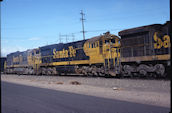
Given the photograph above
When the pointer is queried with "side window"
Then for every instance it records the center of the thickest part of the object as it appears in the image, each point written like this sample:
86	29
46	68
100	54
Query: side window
113	40
100	43
106	41
97	44
92	45
37	51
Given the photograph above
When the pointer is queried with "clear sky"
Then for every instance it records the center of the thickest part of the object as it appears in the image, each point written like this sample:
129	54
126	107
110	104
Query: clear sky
27	24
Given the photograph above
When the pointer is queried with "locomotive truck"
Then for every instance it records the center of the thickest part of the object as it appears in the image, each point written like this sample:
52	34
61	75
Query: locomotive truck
143	51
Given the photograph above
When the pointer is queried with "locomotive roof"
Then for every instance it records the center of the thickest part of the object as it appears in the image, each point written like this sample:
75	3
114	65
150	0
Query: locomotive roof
19	52
106	35
94	39
60	44
139	29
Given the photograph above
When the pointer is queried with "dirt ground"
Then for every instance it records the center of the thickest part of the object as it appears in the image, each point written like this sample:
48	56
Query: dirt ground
152	92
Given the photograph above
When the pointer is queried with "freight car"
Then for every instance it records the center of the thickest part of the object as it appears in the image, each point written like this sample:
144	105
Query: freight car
98	56
145	50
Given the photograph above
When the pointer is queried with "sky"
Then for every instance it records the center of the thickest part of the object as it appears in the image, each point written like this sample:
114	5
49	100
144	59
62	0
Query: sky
28	24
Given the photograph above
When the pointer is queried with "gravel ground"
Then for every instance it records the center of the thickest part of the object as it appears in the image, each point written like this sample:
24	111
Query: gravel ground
153	92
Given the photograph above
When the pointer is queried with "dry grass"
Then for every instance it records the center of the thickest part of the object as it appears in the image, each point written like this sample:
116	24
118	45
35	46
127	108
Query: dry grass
75	83
59	82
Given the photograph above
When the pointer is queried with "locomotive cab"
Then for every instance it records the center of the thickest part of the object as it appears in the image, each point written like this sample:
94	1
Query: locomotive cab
34	60
104	50
111	52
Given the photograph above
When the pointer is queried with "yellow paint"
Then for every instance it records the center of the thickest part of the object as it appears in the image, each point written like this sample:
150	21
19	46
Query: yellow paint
97	53
159	43
91	49
34	60
16	59
146	58
68	63
108	50
72	51
60	54
93	53
19	66
5	65
166	39
64	53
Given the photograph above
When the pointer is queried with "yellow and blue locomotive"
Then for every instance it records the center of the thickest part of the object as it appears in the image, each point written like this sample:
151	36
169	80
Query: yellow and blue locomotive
25	62
97	56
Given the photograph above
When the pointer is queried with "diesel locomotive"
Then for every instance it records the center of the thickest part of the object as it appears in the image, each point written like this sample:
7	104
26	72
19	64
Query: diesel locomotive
143	51
97	56
146	50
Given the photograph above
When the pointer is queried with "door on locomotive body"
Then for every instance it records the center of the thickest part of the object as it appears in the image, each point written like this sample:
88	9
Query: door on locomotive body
37	60
107	53
34	60
111	53
115	51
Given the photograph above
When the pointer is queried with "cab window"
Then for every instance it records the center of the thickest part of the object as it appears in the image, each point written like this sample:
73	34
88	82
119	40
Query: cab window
113	40
100	43
106	41
92	45
97	44
37	51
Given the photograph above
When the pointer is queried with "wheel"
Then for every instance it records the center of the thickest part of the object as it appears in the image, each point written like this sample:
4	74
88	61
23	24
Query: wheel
143	72
160	70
